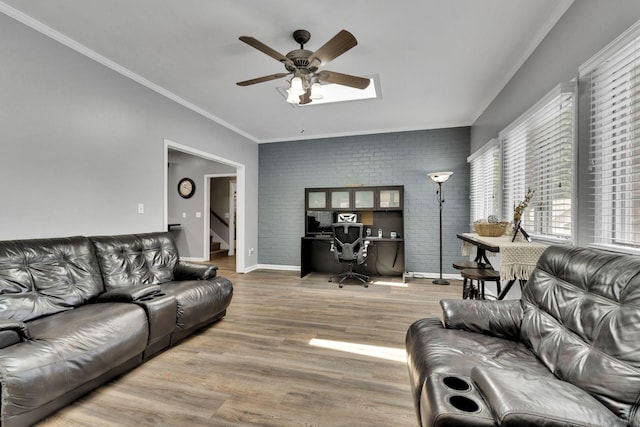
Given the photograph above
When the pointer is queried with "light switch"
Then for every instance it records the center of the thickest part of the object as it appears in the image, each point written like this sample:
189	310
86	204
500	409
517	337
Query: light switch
198	214
184	214
140	208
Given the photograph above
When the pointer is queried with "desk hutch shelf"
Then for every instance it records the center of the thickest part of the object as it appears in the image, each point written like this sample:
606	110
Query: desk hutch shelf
379	208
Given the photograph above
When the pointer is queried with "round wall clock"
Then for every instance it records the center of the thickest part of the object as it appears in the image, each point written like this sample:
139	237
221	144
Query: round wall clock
186	187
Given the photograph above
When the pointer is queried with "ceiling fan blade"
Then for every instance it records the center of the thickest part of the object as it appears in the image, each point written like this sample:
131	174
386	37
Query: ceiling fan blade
339	44
266	49
344	79
305	98
263	79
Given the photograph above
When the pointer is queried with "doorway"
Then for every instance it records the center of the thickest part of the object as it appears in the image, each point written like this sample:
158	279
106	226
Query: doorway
203	236
221	192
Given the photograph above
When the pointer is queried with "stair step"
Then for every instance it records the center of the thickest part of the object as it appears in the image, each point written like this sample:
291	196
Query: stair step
215	246
220	253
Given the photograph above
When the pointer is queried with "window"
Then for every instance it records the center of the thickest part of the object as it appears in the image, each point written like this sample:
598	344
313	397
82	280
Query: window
485	181
613	83
538	154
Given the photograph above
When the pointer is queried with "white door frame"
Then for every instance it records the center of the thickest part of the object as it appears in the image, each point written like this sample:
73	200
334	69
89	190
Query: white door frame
232	216
240	191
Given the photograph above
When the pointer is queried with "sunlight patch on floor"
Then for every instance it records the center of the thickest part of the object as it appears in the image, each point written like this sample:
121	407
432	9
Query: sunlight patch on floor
384	283
387	353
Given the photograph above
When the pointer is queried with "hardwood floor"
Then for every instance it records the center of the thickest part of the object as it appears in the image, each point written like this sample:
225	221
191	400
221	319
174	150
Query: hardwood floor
258	367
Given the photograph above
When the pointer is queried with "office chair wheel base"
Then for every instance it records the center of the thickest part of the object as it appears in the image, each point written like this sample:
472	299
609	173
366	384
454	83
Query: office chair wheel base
366	285
340	285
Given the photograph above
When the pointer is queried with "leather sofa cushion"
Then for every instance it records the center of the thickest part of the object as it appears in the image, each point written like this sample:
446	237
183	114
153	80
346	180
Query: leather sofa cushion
581	317
519	399
134	259
199	300
68	350
40	277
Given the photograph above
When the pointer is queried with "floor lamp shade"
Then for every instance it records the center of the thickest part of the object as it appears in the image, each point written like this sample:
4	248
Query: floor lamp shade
440	178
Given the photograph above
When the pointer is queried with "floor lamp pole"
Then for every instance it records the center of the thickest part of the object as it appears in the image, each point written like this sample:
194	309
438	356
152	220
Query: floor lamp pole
440	281
439	178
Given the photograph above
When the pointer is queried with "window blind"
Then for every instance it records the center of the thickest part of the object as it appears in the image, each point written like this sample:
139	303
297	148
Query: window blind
613	81
538	153
484	194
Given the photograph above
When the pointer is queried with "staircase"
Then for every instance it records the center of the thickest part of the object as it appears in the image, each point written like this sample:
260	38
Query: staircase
216	252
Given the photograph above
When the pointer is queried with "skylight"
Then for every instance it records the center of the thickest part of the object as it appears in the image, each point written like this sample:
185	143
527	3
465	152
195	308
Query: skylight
338	93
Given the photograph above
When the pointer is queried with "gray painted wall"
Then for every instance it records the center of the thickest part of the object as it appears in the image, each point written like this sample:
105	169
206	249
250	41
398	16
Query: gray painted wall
586	28
287	168
82	145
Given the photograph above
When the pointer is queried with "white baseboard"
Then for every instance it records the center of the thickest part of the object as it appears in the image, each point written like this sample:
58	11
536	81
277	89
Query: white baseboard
410	274
275	267
421	275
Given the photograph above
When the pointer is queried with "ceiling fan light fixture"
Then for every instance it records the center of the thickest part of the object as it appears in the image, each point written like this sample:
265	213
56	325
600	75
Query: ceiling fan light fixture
303	66
292	98
316	92
296	87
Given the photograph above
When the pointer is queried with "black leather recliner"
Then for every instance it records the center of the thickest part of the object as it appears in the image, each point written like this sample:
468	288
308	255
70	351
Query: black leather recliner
566	354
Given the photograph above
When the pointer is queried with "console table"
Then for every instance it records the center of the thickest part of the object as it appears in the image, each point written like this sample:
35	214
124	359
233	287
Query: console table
518	259
379	208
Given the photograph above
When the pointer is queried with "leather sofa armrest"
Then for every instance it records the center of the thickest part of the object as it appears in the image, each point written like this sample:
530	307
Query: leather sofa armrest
497	318
191	271
13	332
518	398
130	294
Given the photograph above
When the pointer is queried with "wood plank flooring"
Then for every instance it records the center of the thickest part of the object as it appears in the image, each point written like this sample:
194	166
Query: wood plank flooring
257	366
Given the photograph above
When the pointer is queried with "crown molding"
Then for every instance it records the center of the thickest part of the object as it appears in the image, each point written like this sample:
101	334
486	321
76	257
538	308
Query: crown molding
89	53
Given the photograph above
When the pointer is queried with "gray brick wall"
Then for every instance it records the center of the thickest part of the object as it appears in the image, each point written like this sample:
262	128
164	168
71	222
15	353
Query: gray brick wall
404	158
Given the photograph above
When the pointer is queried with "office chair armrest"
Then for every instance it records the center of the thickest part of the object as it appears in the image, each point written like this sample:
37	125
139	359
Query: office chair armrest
334	250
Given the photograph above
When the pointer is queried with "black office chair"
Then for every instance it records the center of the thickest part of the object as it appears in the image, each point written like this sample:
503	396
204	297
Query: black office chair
349	246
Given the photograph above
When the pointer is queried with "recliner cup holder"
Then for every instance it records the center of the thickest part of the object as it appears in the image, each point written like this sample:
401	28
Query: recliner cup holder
456	383
451	399
464	404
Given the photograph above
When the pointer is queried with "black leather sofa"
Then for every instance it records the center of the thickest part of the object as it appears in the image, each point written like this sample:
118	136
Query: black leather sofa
566	354
76	312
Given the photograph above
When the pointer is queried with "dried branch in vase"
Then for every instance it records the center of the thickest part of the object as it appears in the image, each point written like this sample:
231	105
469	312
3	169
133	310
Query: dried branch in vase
520	207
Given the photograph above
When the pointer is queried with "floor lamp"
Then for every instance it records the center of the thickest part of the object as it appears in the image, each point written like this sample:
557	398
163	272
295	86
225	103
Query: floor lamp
439	178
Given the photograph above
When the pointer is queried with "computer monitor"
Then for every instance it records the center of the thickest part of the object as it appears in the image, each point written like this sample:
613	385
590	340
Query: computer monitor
319	222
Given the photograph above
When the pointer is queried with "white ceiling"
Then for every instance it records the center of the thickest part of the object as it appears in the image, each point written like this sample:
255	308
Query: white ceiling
438	63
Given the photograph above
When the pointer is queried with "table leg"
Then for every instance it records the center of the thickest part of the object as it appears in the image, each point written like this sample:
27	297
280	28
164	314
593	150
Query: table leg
481	256
505	291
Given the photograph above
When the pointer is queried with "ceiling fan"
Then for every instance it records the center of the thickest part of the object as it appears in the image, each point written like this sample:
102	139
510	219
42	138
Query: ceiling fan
304	65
